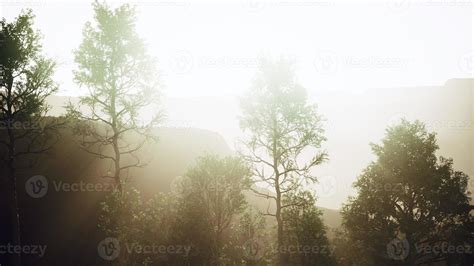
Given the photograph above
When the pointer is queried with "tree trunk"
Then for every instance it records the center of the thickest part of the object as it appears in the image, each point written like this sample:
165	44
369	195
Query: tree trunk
13	197
275	155
15	217
281	256
411	256
117	178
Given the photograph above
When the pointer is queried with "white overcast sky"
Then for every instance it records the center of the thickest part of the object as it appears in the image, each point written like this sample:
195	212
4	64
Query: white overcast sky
210	48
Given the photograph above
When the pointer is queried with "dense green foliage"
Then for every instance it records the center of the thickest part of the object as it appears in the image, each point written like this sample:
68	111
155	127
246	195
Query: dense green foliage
410	194
25	83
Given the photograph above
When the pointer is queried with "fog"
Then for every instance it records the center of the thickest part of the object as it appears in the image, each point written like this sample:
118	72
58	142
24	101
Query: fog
346	54
248	132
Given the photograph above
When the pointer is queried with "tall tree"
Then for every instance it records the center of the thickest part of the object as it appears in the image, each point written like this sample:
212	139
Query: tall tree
281	126
25	83
122	81
410	198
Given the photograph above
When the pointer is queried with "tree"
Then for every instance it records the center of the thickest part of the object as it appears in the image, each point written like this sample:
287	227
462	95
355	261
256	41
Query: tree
121	80
305	237
211	200
249	241
25	84
409	201
281	126
141	222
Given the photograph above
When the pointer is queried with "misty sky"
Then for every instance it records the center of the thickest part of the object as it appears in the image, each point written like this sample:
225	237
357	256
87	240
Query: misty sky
210	48
208	51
